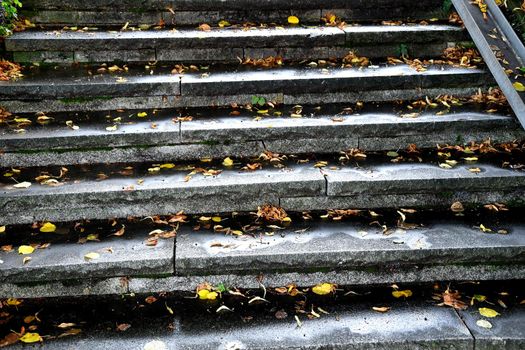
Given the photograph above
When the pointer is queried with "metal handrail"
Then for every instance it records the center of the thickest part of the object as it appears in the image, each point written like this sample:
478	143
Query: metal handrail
500	47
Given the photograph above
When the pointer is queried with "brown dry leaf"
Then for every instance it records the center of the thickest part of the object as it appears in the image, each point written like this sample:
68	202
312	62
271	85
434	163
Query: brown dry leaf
205	27
123	327
271	213
453	299
9	339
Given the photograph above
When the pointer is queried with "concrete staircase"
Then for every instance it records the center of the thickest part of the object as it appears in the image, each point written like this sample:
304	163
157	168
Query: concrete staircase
149	141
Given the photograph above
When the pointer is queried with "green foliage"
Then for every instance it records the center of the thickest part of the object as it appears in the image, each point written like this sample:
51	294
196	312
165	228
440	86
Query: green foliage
258	100
8	14
447	6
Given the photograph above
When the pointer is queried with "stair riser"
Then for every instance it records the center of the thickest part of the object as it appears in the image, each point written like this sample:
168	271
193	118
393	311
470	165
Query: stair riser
195	143
165	102
171	194
223	4
195	18
225	56
229	46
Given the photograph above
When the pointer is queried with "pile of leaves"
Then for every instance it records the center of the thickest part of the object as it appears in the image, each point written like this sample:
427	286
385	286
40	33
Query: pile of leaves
9	70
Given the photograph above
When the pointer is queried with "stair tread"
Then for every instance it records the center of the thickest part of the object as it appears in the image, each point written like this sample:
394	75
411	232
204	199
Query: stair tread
337	252
231	37
344	246
73	90
219	125
233	190
118	256
354	325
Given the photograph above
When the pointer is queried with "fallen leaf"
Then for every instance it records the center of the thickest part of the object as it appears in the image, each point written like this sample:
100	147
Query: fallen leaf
2	229
324	288
24	184
487	312
25	249
295	20
484	324
64	325
91	256
402	293
519	86
48	227
123	327
9	339
142	114
381	308
30	338
13	302
205	27
205	294
228	162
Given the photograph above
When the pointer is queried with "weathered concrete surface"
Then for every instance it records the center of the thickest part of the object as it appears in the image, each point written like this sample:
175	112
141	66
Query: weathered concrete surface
224	4
295	81
193	38
507	330
72	288
131	154
160	194
345	327
222	100
365	277
329	246
441	199
205	136
418	178
129	256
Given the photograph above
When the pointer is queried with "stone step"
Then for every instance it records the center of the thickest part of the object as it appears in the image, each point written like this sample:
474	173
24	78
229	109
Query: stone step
194	13
296	188
124	256
408	325
229	45
68	90
304	254
216	134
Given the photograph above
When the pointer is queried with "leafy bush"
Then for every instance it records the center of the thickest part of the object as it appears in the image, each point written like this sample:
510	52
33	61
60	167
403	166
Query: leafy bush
8	14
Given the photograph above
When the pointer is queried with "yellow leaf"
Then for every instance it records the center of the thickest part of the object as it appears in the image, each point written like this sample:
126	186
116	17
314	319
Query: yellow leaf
111	128
2	229
48	227
402	293
25	249
205	294
30	338
13	302
323	288
295	20
216	219
287	219
227	162
167	166
519	86
484	229
224	23
24	184
91	256
471	159
485	311
142	114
